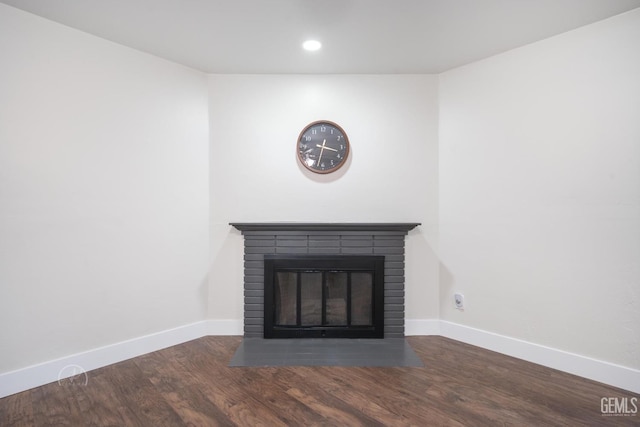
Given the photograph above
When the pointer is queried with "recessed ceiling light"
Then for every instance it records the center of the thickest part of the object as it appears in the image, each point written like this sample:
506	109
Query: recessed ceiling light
311	45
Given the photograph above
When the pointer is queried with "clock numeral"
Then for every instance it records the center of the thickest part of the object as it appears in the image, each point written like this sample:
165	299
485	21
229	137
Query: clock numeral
323	128
314	131
339	138
307	138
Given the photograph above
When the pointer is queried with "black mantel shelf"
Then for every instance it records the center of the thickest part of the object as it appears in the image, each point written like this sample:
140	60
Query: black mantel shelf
325	226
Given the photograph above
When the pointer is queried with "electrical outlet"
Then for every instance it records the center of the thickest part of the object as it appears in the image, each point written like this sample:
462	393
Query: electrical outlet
458	300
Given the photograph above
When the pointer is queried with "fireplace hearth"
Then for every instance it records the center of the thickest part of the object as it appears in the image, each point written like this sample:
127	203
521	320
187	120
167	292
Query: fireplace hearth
316	299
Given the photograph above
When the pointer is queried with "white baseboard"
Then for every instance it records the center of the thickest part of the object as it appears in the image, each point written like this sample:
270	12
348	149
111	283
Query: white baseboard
54	370
586	367
51	371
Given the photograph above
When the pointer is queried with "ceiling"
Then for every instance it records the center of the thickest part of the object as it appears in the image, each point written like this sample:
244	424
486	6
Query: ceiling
358	36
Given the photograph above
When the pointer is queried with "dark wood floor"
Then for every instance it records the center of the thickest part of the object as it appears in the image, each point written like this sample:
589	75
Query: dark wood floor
191	384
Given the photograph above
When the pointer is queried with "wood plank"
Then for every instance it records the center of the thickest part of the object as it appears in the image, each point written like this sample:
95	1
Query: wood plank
139	401
17	410
222	388
260	385
334	415
386	395
100	405
55	405
174	384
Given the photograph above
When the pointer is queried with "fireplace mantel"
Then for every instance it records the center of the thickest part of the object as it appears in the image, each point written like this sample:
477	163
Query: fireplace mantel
325	226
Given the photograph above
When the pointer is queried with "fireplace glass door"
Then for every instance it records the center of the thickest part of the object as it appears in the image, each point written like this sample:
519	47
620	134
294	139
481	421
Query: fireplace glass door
324	296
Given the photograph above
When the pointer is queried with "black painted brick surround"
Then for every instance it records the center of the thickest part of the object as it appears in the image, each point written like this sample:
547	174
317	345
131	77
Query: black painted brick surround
385	239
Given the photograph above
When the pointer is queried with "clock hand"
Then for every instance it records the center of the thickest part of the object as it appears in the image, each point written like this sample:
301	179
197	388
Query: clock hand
325	147
322	147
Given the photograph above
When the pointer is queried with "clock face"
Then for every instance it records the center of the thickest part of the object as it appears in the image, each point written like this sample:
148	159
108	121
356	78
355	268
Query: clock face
323	147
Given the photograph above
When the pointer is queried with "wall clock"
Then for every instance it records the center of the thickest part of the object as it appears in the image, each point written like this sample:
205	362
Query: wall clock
323	147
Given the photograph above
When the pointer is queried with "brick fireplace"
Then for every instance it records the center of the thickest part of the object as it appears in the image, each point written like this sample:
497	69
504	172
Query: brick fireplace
324	239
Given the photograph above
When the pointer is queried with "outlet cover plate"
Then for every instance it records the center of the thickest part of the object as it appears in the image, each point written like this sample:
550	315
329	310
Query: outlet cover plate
458	300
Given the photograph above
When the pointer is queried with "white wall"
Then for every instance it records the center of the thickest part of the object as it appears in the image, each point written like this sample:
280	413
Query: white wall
103	192
540	188
391	175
